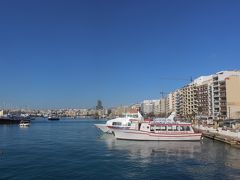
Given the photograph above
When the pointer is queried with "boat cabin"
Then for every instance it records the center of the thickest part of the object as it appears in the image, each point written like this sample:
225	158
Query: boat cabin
161	127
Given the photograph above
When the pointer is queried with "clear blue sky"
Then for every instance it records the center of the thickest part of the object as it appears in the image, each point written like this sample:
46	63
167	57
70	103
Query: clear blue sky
70	53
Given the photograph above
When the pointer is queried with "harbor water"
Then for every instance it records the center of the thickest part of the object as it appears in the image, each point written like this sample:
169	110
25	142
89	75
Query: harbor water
75	149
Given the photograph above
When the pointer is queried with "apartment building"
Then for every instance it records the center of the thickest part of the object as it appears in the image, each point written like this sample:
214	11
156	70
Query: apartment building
163	107
203	95
188	106
221	97
157	107
147	106
216	95
232	84
203	100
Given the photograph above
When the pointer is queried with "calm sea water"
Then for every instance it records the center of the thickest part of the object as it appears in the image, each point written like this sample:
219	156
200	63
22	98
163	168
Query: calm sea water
75	149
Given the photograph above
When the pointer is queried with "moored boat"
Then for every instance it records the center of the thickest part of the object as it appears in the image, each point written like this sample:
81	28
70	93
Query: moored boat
158	131
119	122
53	118
7	120
24	123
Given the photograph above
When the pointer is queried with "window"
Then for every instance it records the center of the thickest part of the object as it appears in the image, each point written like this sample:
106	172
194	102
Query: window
181	128
174	128
188	128
116	123
170	128
163	128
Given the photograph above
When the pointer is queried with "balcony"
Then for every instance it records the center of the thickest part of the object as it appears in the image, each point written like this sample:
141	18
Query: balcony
222	83
216	106
224	109
222	90
223	86
215	78
215	89
223	95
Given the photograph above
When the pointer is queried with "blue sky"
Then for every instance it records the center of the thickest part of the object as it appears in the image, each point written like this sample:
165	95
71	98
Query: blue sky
58	53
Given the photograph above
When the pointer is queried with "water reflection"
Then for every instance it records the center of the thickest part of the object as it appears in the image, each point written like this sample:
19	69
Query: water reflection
202	159
147	149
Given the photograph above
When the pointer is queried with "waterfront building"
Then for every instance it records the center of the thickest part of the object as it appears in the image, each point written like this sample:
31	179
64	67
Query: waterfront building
203	96
136	106
203	100
175	102
119	111
83	112
147	106
163	107
233	96
188	106
220	100
99	105
156	107
215	96
152	107
170	103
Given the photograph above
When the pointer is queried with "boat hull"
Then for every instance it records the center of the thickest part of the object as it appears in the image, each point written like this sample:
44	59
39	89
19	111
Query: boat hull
109	129
103	128
53	119
24	125
9	121
148	136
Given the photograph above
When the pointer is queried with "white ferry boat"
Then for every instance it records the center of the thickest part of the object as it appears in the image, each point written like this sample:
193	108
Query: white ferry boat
163	130
120	122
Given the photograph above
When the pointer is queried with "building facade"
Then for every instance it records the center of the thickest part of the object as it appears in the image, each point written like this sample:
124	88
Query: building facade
233	97
216	96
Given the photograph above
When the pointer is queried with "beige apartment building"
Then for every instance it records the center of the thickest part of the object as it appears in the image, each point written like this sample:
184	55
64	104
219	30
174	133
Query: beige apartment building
188	103
223	93
233	97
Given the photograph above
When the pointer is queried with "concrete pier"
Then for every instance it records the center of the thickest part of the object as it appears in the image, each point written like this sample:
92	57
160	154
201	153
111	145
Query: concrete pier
225	136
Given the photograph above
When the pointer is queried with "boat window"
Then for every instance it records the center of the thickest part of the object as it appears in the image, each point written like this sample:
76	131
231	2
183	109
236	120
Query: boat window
116	123
169	128
163	128
181	128
175	128
132	116
129	124
188	128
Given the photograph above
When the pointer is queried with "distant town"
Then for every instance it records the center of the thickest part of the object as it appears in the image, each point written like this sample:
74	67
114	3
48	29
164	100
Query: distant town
213	96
